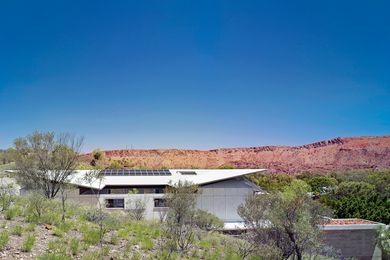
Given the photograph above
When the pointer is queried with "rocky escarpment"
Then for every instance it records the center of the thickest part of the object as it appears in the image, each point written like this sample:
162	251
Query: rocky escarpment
331	155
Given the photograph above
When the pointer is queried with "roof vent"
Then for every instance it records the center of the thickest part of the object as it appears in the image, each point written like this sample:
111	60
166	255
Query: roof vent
187	172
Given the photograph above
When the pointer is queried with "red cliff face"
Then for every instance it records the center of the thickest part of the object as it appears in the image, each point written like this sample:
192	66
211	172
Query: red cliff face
331	155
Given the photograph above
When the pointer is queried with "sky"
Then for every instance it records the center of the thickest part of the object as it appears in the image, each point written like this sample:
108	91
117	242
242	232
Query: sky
194	74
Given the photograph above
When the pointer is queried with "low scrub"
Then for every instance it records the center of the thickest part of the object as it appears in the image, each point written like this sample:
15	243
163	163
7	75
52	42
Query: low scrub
4	239
28	243
17	230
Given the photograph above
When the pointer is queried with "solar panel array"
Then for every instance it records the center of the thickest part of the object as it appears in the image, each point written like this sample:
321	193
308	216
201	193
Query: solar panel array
131	172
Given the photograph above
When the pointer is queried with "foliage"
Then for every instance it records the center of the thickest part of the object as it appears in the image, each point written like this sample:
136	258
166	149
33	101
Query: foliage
207	221
17	230
45	161
4	239
10	213
28	243
181	202
226	166
74	245
37	205
320	184
271	182
287	222
98	154
90	234
7	193
358	200
136	208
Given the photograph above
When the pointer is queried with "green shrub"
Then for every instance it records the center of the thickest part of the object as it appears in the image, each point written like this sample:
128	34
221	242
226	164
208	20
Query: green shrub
207	221
74	245
30	227
10	213
28	243
90	234
58	232
17	230
4	239
147	244
114	238
57	246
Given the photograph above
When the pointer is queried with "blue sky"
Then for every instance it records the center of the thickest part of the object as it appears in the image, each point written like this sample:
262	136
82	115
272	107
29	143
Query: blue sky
194	74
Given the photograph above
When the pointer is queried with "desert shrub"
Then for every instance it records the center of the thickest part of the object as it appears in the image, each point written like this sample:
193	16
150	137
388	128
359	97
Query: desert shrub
58	232
94	215
10	213
17	230
114	239
90	234
271	182
30	227
179	226
57	246
207	221
52	217
74	246
7	194
37	205
147	243
28	243
4	239
136	209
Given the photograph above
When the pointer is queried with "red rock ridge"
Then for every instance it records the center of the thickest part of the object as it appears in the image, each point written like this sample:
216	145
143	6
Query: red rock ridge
336	154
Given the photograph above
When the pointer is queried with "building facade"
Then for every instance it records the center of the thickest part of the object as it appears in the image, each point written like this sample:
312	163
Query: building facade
221	191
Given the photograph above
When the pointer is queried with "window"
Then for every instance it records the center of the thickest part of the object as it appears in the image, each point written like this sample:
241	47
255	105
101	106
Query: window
188	173
160	203
115	203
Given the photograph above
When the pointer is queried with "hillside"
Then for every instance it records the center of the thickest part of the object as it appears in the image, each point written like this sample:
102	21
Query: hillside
337	154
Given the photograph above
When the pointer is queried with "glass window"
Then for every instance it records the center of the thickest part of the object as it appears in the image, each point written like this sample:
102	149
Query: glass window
115	203
160	203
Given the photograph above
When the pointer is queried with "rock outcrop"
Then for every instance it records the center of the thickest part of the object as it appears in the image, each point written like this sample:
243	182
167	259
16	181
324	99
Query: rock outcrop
337	154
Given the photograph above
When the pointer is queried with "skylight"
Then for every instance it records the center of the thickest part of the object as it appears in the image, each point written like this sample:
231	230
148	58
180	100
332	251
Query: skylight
187	172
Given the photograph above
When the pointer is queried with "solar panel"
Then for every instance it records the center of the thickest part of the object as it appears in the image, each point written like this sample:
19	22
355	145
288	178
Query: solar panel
133	172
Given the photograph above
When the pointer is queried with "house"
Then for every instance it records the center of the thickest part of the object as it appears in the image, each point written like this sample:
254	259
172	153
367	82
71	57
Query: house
222	191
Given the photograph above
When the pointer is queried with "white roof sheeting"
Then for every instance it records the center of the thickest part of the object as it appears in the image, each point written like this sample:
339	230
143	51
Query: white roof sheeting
202	176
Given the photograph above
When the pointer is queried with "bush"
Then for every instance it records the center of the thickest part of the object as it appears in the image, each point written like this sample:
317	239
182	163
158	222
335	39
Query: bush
28	243
37	205
17	230
74	245
10	213
146	244
91	235
95	215
207	221
136	209
4	239
30	227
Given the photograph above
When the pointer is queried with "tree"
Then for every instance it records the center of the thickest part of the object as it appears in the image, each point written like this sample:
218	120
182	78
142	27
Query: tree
136	207
181	202
7	193
358	200
207	221
287	221
320	184
46	161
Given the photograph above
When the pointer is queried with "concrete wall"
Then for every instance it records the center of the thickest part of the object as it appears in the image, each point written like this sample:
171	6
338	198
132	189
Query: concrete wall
357	244
220	198
223	198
